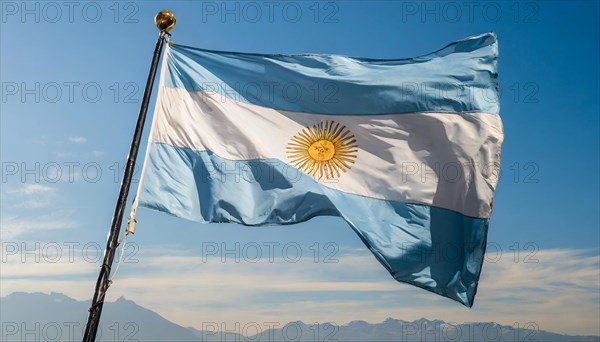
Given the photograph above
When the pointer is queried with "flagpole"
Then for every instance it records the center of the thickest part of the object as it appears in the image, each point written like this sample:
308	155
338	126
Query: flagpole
165	21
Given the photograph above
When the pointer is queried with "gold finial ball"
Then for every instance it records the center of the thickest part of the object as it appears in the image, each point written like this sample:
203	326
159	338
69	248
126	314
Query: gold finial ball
165	20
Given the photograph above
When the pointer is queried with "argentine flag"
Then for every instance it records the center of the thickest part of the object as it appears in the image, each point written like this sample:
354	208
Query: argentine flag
406	151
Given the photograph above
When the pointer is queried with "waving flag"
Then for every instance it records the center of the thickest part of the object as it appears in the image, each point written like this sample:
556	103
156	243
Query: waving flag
406	151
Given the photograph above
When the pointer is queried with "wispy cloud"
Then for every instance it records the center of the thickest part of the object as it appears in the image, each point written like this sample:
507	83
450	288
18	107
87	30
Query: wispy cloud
33	203
14	226
557	293
30	196
98	153
40	141
65	154
31	189
77	139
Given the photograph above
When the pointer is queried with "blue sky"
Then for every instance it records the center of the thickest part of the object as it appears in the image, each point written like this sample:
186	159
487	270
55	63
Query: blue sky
72	77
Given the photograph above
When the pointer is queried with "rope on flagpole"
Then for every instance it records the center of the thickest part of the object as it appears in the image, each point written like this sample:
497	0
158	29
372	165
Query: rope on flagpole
122	243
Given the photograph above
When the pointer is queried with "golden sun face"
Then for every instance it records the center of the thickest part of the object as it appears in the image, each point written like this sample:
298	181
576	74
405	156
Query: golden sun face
323	151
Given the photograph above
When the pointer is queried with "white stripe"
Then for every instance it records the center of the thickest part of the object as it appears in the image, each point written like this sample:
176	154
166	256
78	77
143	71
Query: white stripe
441	159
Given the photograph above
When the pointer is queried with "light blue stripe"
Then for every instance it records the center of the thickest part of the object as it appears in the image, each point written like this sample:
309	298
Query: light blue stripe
436	249
461	77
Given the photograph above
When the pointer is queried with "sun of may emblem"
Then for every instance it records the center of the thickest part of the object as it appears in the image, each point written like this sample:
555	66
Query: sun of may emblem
323	151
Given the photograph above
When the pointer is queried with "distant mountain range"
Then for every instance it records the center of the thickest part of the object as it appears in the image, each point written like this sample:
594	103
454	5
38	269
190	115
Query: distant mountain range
56	317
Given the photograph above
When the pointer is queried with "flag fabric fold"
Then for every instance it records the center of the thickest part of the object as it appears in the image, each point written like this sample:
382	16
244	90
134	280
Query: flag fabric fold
406	151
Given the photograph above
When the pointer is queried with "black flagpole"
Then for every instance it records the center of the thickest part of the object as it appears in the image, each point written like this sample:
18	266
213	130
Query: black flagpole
165	21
